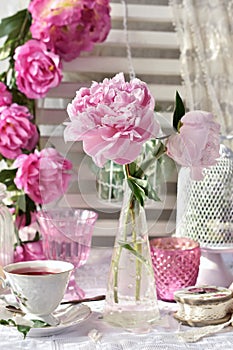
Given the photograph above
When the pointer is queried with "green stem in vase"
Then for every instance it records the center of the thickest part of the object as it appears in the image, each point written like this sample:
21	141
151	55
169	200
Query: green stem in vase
136	246
115	274
134	205
138	249
140	189
117	260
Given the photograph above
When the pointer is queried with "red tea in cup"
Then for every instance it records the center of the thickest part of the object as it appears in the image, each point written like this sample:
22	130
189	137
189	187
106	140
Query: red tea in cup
34	271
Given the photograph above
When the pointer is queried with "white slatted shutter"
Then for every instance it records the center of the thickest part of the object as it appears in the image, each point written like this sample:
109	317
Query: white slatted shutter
155	59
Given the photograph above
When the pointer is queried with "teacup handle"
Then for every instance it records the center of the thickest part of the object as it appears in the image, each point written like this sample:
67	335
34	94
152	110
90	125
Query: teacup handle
5	283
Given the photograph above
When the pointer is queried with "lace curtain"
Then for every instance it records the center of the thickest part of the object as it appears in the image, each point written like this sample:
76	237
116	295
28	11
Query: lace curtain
205	32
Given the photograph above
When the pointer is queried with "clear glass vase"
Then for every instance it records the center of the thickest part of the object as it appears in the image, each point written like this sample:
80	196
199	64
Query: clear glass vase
131	300
7	231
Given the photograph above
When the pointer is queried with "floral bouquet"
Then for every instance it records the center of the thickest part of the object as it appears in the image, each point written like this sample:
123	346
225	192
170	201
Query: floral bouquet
114	119
37	41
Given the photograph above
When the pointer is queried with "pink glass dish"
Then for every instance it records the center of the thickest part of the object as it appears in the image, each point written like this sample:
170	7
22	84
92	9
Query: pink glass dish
176	264
67	235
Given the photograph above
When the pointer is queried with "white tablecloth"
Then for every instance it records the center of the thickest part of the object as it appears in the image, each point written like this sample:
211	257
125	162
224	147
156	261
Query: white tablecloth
92	278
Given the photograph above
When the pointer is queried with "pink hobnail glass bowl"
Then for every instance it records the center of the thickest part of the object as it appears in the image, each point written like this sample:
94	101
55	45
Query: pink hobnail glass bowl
176	264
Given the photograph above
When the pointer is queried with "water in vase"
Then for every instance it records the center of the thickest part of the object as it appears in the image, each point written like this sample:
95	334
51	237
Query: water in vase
131	300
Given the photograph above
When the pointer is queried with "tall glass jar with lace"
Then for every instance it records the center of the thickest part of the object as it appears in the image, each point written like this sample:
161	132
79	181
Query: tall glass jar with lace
7	231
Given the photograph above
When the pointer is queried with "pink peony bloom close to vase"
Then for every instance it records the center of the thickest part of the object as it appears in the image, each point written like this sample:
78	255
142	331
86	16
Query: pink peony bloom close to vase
5	95
68	27
44	175
37	69
113	119
197	143
17	131
29	251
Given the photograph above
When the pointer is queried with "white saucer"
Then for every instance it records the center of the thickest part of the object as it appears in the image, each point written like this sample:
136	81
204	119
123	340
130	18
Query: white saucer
68	315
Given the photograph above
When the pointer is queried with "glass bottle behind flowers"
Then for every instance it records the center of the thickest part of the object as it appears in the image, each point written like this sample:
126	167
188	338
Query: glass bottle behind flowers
109	182
114	119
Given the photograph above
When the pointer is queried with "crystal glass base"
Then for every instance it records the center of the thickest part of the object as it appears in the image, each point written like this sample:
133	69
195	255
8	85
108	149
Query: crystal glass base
136	318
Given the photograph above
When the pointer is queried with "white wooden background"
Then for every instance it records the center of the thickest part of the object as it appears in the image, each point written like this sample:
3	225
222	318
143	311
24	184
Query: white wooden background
155	55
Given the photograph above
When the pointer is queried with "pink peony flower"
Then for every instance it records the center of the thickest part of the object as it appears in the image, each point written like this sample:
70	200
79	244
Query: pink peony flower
68	27
37	70
29	251
5	95
16	130
197	144
44	175
113	118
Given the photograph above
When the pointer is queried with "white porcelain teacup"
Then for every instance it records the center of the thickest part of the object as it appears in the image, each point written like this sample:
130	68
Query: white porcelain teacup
38	286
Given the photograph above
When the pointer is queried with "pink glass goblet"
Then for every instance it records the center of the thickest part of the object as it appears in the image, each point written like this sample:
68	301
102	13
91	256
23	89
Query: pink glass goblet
176	264
67	235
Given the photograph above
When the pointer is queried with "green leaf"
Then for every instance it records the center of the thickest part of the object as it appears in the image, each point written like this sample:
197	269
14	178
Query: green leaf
140	182
159	150
178	112
39	324
11	23
11	322
3	78
36	237
5	51
16	28
23	329
36	324
149	146
135	253
9	46
132	168
141	188
20	328
4	322
137	190
151	193
11	187
7	177
21	202
21	99
144	166
25	207
30	207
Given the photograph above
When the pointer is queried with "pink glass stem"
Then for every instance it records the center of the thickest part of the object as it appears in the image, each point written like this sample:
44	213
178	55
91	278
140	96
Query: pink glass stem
73	290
